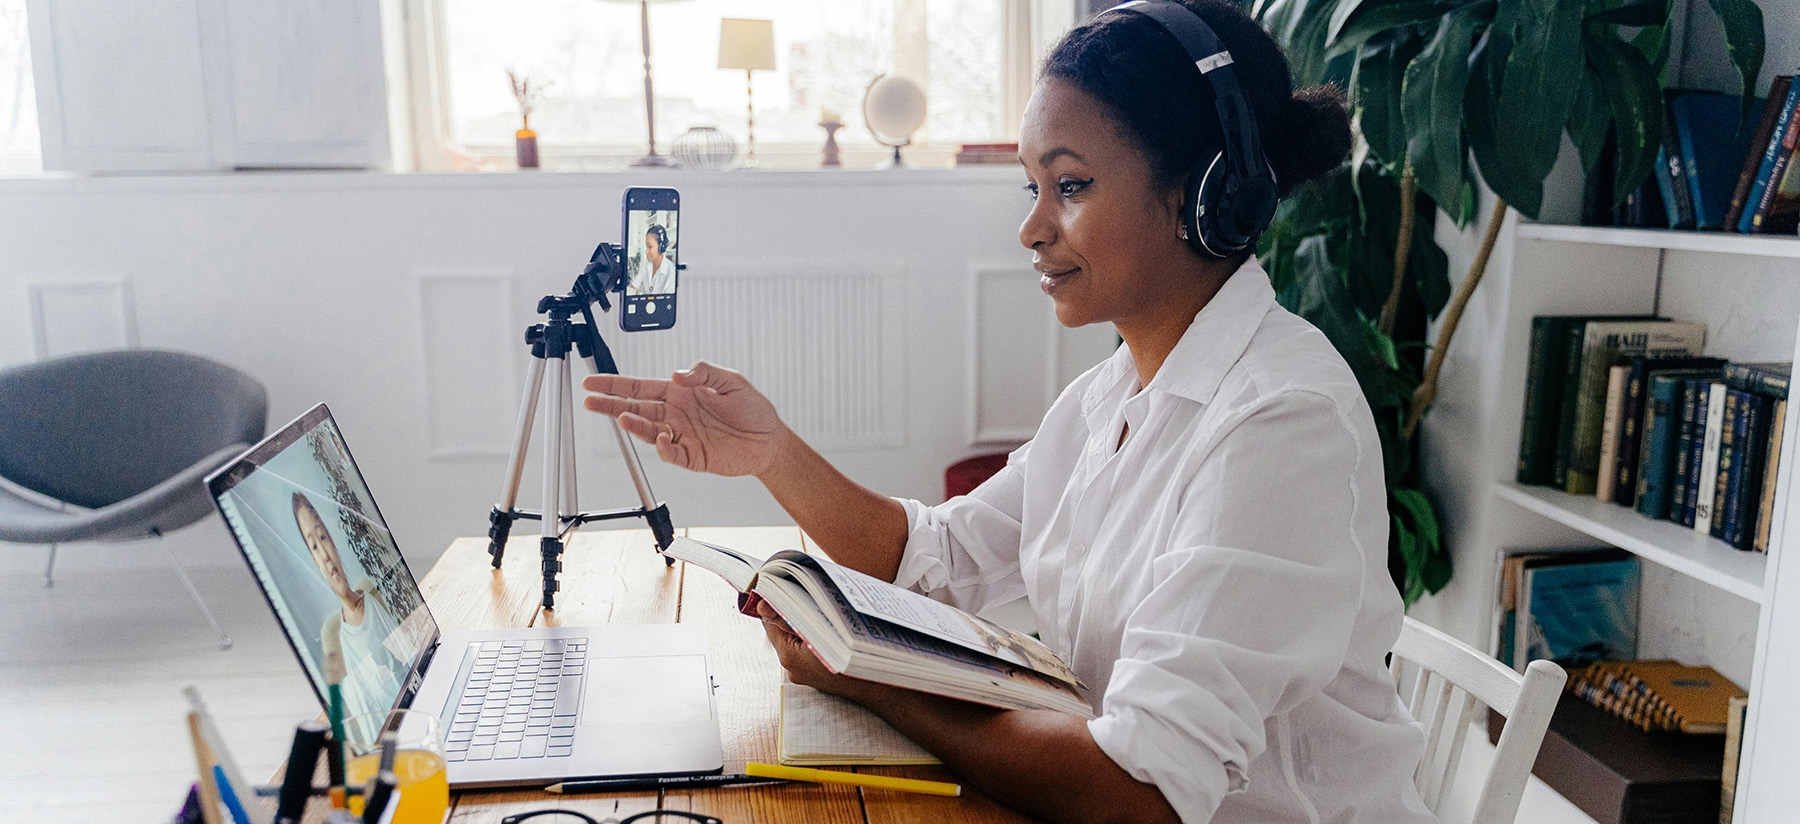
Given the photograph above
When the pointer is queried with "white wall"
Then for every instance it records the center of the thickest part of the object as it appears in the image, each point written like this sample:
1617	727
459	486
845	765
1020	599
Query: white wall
401	300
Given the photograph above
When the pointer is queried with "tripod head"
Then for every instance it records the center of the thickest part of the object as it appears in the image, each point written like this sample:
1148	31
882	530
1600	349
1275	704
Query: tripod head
605	272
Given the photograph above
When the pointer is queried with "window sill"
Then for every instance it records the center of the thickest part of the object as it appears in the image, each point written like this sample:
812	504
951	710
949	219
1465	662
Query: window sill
339	180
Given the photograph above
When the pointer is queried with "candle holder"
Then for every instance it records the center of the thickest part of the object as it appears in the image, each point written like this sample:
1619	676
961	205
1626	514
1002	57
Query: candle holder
831	127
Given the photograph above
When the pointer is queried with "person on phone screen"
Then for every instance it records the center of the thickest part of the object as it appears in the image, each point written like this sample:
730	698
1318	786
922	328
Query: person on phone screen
659	265
1199	523
363	621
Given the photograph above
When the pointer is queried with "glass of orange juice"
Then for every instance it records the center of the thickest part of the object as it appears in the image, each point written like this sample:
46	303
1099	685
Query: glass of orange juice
423	786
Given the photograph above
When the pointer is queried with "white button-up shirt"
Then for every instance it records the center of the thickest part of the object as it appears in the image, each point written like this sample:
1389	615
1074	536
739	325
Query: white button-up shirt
1219	580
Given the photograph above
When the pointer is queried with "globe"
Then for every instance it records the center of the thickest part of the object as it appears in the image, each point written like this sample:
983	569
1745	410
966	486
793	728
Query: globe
894	108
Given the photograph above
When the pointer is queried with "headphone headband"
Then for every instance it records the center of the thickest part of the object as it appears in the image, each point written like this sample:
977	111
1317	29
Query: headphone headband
1230	207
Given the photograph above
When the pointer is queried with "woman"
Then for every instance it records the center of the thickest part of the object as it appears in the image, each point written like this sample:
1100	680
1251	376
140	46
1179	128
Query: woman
661	277
1199	523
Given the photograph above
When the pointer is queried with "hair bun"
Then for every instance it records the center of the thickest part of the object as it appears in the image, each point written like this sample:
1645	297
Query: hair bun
1312	136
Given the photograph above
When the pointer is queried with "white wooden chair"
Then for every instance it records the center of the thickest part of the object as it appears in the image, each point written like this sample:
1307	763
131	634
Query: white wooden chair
1449	681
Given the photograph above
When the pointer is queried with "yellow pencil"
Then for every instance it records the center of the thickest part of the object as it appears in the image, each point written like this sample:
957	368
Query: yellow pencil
879	782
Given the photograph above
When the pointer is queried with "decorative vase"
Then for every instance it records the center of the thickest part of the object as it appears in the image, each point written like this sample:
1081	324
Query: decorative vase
704	148
525	146
831	146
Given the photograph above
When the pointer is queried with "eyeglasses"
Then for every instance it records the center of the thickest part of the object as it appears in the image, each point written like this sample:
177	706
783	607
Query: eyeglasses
651	817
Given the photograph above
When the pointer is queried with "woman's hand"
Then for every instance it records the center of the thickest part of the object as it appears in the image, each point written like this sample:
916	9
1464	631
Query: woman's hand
803	667
704	418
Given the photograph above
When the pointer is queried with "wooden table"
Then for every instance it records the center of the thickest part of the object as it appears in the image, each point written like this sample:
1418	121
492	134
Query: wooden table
616	577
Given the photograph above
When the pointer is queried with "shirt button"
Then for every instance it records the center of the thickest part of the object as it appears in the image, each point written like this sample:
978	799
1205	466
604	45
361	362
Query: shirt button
1080	550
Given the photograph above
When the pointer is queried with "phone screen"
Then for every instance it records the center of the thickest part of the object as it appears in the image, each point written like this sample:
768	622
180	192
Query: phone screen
652	251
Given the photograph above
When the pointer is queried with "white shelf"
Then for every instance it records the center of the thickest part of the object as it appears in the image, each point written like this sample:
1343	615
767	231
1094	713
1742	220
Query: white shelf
1676	547
1784	246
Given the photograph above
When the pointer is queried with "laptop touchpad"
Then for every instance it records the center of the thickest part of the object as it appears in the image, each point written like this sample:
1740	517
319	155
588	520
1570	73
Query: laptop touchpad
660	689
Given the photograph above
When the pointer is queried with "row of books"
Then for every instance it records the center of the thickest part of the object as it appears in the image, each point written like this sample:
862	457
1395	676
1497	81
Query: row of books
1627	409
1721	167
1571	606
1660	695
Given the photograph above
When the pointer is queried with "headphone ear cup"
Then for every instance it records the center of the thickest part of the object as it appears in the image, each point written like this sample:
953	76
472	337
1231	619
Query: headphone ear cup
1232	214
1202	214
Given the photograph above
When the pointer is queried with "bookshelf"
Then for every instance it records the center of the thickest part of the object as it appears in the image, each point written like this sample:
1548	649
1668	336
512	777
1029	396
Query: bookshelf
1678	548
1666	239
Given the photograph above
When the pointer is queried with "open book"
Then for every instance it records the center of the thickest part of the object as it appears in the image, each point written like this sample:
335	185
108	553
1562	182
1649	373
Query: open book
822	730
867	628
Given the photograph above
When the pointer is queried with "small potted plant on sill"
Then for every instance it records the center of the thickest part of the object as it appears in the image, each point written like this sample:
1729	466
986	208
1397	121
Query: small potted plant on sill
527	94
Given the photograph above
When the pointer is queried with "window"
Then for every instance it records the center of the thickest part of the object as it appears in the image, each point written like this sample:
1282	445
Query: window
587	54
18	97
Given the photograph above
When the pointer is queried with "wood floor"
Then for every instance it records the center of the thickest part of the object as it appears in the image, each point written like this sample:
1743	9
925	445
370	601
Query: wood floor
91	715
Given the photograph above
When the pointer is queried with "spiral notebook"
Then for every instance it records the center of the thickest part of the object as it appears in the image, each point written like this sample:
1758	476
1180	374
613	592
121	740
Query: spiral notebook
819	729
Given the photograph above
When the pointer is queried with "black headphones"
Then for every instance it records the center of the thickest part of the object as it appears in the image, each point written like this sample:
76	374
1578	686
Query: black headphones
662	238
1231	195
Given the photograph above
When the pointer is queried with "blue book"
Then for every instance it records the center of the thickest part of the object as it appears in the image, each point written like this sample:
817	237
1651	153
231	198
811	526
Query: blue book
1661	437
1701	405
1743	490
1577	611
1714	137
1770	154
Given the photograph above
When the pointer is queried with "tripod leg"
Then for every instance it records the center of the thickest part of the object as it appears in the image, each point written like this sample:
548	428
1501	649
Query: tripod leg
550	521
657	514
500	521
571	499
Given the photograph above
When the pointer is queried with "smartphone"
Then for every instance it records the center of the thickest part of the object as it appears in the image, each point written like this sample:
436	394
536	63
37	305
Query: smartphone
652	258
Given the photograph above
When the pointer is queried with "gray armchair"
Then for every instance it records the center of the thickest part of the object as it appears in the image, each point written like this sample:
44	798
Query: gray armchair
114	445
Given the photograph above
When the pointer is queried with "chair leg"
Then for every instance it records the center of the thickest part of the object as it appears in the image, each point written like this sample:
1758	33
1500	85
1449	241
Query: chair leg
194	592
50	569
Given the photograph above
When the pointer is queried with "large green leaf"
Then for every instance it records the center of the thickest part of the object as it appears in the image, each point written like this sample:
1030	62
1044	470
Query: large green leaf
1647	13
1432	103
1537	90
1635	102
1743	24
1318	295
1590	119
1380	75
1309	60
1363	20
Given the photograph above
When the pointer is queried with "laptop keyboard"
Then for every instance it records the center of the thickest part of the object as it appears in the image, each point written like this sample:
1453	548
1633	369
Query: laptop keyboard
519	699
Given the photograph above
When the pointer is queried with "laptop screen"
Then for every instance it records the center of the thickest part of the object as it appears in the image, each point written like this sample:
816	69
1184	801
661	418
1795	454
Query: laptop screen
308	526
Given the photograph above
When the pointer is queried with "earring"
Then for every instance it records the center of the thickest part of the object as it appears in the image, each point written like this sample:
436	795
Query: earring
1182	232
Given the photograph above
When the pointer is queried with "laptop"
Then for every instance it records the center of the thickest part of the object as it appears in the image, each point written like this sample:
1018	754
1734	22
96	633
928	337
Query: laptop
516	706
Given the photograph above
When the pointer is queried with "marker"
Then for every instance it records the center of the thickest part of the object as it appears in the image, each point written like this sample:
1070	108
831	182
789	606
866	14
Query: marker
879	782
678	782
233	804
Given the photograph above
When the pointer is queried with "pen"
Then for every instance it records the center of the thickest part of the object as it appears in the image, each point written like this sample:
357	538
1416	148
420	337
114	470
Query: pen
332	646
879	782
228	794
678	782
303	760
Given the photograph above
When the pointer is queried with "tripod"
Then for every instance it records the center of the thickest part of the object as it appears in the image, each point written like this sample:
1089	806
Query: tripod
550	343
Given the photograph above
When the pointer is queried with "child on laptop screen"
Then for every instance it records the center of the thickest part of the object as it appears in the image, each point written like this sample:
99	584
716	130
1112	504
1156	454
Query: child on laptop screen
363	622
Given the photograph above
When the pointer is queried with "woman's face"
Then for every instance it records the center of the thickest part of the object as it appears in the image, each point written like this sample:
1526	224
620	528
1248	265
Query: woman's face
1101	231
324	552
651	250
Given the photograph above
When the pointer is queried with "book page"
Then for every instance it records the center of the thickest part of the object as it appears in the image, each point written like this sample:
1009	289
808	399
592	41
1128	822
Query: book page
880	599
822	729
737	568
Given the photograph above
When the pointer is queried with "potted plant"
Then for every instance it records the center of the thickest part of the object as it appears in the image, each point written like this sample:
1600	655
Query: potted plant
1441	89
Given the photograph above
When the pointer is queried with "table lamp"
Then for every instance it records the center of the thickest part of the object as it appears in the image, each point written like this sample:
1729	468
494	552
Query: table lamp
653	158
747	45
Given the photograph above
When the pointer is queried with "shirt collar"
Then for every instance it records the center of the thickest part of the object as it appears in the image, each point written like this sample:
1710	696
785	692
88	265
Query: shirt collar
1214	342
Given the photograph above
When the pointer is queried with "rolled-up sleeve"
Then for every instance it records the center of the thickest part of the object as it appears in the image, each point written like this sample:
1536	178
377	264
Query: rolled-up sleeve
965	551
1252	611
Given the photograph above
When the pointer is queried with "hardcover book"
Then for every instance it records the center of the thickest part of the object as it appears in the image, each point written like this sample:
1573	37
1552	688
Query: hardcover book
1574	608
867	628
1742	485
1635	419
1607	476
1714	136
1657	463
1770	152
1770	108
1766	512
1707	486
1684	455
1767	379
1605	343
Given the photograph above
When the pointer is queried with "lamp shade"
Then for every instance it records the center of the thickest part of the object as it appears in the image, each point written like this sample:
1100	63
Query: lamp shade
746	44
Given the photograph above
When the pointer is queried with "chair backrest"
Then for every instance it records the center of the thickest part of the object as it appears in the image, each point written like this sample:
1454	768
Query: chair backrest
98	428
1449	683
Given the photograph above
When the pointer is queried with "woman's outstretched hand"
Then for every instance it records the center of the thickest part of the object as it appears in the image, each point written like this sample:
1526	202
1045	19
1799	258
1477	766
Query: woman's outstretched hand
704	418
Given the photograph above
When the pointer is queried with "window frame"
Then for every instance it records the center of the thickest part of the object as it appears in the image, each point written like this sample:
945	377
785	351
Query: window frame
419	78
